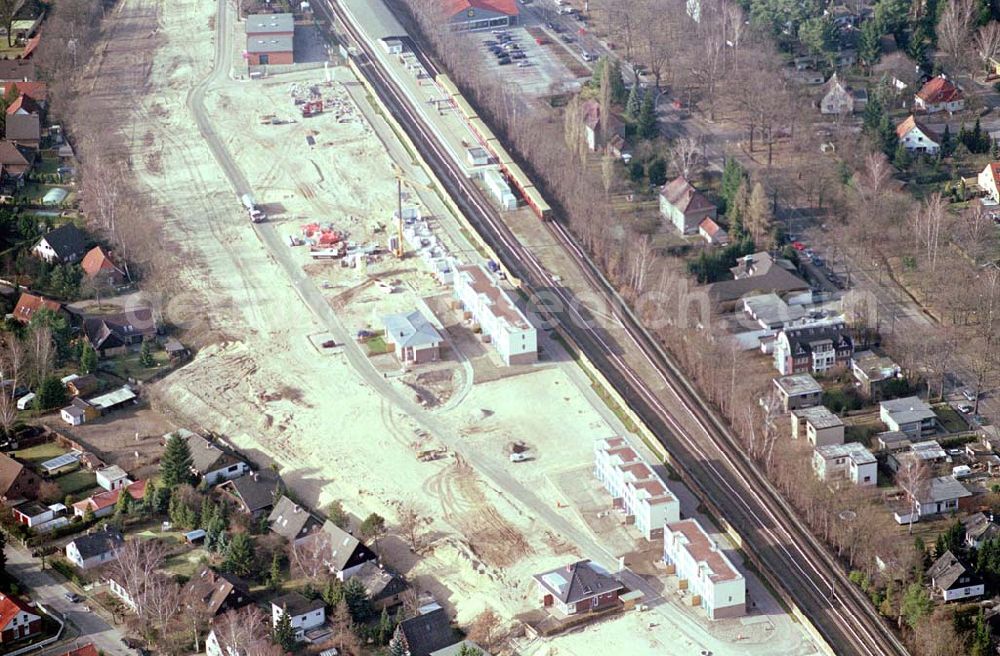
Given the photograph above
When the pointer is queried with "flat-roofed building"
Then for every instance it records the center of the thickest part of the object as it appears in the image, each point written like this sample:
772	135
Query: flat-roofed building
270	39
635	488
709	576
818	425
798	391
851	461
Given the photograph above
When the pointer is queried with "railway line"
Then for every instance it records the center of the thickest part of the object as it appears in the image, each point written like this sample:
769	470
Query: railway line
779	545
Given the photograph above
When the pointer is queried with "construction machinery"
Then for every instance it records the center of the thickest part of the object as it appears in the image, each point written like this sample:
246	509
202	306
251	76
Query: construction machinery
254	212
312	108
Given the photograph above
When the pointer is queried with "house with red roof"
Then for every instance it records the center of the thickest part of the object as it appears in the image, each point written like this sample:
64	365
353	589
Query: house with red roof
18	620
103	503
29	304
37	91
87	650
480	14
989	181
940	95
713	233
24	122
97	264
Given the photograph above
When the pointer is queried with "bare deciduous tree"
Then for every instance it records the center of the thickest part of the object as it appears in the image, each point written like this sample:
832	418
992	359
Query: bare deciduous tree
136	566
247	632
685	154
311	556
486	630
411	525
912	476
954	29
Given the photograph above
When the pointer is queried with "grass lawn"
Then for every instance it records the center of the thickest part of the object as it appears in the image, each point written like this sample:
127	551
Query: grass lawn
76	481
34	192
187	563
36	455
376	345
127	366
951	420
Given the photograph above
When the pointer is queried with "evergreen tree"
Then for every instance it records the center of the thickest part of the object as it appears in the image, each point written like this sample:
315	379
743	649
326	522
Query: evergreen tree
274	575
51	394
333	593
358	601
240	556
3	556
335	513
870	44
146	355
619	93
175	465
215	530
88	358
946	142
88	515
384	629
887	135
916	604
123	504
646	124
732	176
901	158
979	143
284	633
634	103
396	647
657	172
994	149
981	638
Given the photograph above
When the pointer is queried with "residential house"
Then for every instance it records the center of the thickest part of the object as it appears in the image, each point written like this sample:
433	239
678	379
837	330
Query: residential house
79	412
255	493
118	589
218	592
304	613
684	206
838	98
850	461
292	522
18	620
347	553
726	295
28	304
412	337
928	452
16	161
209	462
636	490
63	245
85	385
939	94
87	650
427	632
818	425
874	373
33	513
759	264
17	482
96	548
98	265
893	441
578	587
384	586
771	312
798	391
979	528
496	314
116	334
952	579
590	112
16	70
37	91
460	648
917	137
704	570
102	504
815	348
908	415
713	233
23	123
270	39
112	478
115	399
937	496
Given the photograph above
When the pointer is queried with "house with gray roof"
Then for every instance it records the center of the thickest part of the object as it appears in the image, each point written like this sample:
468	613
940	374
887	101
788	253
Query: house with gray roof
412	337
208	461
95	549
63	245
429	631
254	494
952	579
270	39
384	586
979	528
909	415
798	391
937	496
874	373
292	522
578	587
347	553
457	649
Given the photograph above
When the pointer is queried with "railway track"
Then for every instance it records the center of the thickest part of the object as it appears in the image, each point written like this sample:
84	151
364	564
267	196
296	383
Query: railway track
786	552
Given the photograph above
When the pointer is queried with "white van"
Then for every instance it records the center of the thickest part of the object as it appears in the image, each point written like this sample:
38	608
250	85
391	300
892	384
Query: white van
25	401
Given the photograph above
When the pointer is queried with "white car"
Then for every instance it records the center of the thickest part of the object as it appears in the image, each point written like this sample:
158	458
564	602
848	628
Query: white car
519	456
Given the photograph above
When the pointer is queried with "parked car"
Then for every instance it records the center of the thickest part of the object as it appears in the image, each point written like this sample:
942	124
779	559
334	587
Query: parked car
519	456
588	56
73	597
503	61
566	38
965	409
969	395
489	42
518	55
523	64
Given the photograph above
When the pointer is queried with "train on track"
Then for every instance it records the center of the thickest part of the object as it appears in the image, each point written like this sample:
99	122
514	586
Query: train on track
507	164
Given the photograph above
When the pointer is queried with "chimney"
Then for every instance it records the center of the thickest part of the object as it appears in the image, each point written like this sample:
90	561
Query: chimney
296	510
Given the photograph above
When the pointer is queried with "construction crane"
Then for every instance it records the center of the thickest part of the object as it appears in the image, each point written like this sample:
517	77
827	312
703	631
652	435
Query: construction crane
400	250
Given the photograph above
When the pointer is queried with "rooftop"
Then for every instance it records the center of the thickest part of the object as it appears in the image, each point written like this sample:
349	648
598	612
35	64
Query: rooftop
907	410
858	453
578	581
704	550
295	604
798	384
500	302
819	417
270	23
411	329
873	366
267	43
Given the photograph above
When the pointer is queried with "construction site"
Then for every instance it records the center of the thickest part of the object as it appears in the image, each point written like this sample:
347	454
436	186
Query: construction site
286	314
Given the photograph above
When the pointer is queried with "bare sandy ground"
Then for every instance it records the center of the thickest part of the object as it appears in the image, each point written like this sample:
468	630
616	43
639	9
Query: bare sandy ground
260	379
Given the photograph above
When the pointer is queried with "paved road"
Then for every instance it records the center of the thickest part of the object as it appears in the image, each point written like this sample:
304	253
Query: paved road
47	590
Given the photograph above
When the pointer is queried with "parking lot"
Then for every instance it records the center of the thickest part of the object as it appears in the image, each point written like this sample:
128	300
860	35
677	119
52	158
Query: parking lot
530	59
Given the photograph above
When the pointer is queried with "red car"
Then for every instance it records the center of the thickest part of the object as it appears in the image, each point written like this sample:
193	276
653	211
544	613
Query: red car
798	245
